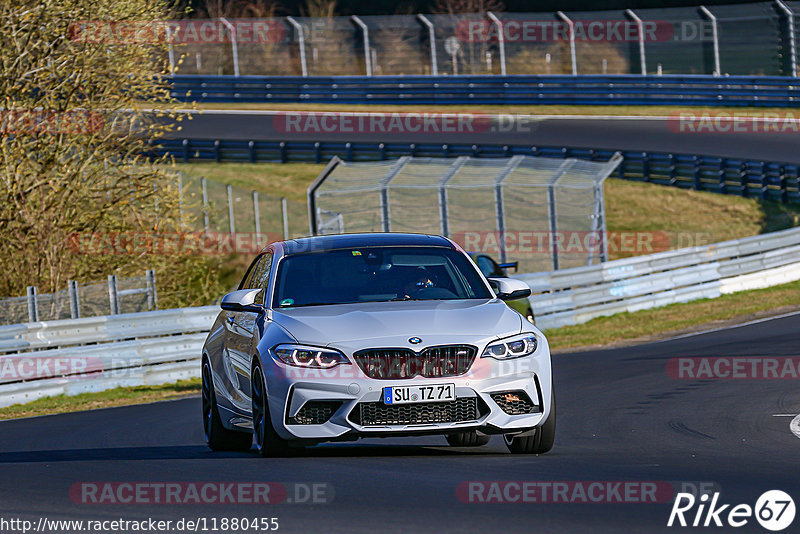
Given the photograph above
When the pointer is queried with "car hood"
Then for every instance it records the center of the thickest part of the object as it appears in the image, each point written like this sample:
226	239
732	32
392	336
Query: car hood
393	323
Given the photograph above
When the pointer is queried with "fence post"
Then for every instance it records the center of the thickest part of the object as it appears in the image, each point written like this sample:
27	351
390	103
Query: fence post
302	42
205	204
256	214
33	305
792	40
180	198
234	45
113	294
152	294
640	28
231	222
432	39
74	301
714	36
573	56
365	33
285	217
501	41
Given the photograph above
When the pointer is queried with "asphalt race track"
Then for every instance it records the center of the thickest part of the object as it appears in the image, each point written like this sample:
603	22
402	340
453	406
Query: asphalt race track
621	418
658	134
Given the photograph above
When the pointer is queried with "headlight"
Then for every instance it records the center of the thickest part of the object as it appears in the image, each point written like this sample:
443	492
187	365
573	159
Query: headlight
310	357
512	347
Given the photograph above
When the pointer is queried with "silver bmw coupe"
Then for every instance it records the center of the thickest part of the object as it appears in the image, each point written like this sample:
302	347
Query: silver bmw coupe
335	338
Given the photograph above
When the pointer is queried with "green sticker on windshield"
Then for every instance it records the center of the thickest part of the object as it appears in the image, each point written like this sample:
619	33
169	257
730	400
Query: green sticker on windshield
287	302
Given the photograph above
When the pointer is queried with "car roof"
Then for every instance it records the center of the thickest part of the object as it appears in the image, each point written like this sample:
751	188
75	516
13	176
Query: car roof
339	241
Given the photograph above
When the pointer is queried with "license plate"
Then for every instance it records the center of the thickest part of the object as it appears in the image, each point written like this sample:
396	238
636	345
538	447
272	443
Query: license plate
411	394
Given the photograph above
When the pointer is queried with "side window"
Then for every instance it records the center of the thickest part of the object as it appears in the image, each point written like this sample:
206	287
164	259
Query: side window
248	278
486	265
261	276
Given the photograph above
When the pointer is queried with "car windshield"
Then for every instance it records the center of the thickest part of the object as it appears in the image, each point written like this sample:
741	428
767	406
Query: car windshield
376	274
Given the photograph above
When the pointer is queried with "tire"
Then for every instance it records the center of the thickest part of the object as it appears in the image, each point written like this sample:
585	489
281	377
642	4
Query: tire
218	437
268	443
541	441
467	438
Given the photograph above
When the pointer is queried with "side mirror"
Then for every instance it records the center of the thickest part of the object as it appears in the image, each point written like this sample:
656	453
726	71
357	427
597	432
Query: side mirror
510	288
242	300
510	265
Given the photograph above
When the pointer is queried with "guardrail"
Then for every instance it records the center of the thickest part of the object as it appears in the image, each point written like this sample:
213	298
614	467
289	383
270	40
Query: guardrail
587	89
758	179
73	356
574	296
93	354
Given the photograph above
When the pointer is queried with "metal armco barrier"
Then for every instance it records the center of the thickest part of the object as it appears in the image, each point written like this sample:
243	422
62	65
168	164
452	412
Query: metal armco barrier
164	346
586	89
49	358
574	296
758	179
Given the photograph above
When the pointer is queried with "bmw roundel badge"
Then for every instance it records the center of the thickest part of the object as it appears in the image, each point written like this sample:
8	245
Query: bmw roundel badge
414	340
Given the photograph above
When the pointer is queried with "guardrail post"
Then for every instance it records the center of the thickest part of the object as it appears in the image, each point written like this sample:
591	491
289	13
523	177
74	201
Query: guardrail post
640	28
790	35
251	151
365	33
206	222
256	218
501	40
743	182
152	294
715	36
782	183
74	301
572	54
231	220
113	295
234	45
432	39
285	217
33	305
302	42
698	182
185	147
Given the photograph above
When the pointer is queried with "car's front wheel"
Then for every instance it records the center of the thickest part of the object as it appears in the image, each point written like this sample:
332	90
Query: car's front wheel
218	437
541	439
268	442
467	438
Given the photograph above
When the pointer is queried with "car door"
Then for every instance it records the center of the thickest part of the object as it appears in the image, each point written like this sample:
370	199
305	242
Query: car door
243	330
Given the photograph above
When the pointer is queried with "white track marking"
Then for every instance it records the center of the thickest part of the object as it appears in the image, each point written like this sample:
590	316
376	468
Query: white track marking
783	415
729	327
794	426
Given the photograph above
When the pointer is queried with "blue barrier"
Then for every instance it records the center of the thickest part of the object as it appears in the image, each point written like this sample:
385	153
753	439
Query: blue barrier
758	179
695	90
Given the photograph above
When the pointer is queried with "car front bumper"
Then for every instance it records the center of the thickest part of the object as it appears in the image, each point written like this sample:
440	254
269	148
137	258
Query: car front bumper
345	387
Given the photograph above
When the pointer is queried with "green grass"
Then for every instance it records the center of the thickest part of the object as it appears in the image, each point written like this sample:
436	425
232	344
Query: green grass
103	399
675	317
